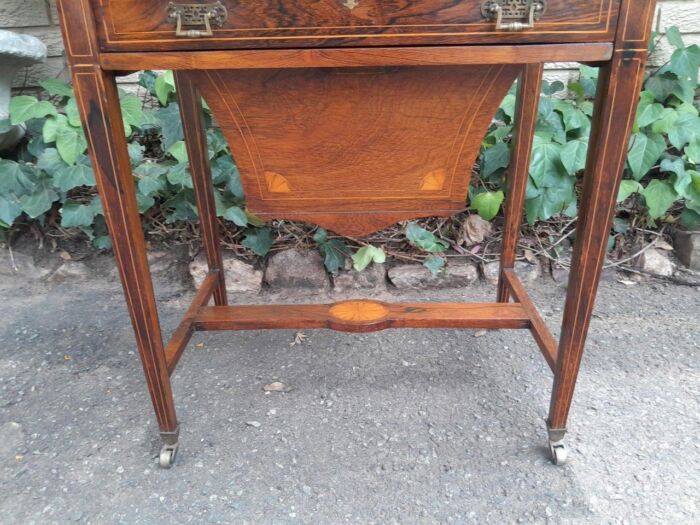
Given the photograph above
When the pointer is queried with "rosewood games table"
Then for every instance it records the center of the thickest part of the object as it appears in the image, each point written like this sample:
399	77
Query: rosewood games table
353	115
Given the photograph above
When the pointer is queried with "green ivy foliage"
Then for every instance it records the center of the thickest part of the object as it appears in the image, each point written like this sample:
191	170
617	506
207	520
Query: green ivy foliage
50	177
661	172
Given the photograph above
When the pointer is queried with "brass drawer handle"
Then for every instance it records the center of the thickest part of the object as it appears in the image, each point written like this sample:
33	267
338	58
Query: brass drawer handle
513	9
207	15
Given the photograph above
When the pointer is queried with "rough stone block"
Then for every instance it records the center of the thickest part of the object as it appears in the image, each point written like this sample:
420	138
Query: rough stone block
687	245
372	278
241	277
295	268
418	277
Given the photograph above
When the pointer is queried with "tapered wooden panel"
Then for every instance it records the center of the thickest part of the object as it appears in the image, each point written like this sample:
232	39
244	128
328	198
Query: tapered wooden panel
138	24
355	149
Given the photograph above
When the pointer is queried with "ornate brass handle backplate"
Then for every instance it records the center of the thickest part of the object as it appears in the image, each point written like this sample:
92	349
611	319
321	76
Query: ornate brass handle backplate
189	15
517	10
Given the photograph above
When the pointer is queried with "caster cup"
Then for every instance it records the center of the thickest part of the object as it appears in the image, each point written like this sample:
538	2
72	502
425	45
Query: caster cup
167	455
559	453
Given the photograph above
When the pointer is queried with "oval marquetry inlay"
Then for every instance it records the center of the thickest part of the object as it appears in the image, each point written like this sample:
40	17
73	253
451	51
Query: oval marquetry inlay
359	311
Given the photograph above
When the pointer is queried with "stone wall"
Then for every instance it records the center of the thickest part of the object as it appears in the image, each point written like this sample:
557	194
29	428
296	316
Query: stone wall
38	18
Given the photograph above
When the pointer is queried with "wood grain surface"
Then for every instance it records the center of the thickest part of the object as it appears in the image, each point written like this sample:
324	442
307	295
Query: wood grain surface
395	142
135	24
362	316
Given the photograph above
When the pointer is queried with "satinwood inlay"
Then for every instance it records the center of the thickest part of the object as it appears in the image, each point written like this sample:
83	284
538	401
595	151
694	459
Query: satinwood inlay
359	311
276	183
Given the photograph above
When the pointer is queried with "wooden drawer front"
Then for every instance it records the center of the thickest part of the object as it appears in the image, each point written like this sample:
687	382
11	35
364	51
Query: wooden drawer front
145	25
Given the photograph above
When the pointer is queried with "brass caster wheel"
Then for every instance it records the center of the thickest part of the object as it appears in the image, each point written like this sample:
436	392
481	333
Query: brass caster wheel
167	455
559	453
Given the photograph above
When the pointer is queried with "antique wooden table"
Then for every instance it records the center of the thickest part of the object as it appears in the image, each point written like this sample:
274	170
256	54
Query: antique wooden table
353	115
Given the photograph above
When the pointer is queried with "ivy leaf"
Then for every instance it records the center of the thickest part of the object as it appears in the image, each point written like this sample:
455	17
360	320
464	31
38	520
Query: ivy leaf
51	127
70	143
546	161
102	242
686	127
40	200
508	107
681	178
144	202
550	121
366	256
320	236
649	114
76	215
573	155
181	206
627	188
10	208
50	161
164	87
135	153
665	122
423	239
644	153
24	108
488	203
72	113
692	151
71	177
573	117
132	110
659	196
151	178
179	151
673	34
16	178
334	252
254	220
56	87
662	85
179	175
495	158
686	61
434	263
237	216
171	126
258	241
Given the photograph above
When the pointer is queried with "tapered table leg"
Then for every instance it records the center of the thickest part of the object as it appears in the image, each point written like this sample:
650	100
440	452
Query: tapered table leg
98	102
527	107
196	140
618	94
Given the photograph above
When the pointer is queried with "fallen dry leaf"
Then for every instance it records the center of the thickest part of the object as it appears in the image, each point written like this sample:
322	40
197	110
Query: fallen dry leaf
299	339
199	345
663	245
65	255
66	357
474	231
275	387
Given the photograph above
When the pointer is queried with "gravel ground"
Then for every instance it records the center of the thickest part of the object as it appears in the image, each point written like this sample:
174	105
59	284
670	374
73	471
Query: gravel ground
396	427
